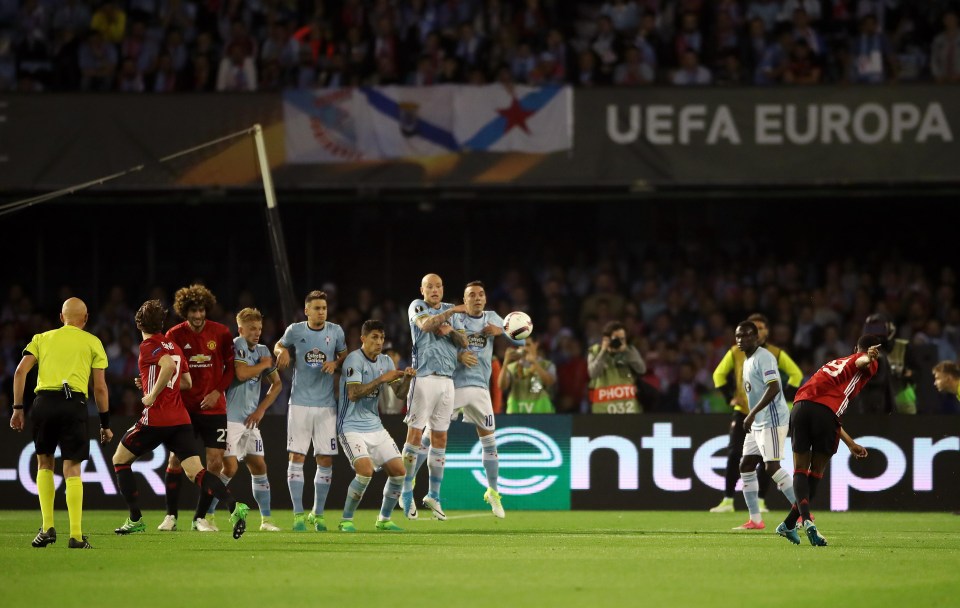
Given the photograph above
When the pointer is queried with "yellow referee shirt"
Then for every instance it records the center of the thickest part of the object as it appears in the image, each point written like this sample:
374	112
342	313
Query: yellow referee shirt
66	355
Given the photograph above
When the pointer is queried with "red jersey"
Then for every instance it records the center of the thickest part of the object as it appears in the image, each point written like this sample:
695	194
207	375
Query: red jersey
836	382
168	409
210	357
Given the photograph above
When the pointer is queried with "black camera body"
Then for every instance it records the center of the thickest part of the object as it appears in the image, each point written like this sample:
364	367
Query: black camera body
616	343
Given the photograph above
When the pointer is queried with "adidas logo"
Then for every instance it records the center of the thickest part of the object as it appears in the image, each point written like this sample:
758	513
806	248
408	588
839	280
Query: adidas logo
187	347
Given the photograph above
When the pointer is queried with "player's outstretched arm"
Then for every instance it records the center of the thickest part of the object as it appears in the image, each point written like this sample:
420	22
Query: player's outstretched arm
855	448
872	354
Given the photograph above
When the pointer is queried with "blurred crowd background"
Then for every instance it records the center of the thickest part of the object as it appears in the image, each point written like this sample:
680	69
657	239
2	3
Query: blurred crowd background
268	45
680	303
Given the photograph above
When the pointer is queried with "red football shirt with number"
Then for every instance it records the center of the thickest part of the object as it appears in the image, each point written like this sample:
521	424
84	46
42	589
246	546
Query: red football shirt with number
209	353
836	382
168	409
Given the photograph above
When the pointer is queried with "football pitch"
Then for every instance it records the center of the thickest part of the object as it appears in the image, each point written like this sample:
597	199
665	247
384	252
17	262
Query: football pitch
637	558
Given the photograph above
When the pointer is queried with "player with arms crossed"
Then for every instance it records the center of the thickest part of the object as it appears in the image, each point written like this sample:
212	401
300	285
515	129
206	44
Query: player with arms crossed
208	346
766	423
165	422
816	429
245	410
319	348
471	382
365	442
430	401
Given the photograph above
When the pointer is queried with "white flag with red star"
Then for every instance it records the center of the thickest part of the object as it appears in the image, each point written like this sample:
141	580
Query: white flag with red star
496	118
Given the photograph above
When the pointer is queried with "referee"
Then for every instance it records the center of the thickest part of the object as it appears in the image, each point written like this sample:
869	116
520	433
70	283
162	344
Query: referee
67	357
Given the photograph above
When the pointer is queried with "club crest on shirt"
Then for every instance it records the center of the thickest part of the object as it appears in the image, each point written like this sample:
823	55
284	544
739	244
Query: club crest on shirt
315	358
211	345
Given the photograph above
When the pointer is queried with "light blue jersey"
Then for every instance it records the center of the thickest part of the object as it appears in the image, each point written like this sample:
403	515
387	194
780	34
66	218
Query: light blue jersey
361	416
759	370
479	344
432	354
244	397
310	349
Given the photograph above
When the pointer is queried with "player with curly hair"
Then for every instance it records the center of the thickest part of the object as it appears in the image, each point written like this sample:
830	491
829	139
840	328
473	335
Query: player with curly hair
208	347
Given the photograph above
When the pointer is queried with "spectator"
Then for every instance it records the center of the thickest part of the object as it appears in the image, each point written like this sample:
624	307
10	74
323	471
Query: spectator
165	79
766	10
633	71
802	30
623	14
111	21
945	53
776	59
872	55
802	68
237	71
691	72
98	62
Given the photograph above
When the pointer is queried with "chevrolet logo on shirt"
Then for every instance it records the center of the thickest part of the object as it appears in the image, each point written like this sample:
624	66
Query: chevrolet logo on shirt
199	359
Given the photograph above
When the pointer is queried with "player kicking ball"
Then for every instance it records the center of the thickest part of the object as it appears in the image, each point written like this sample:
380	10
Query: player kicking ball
364	440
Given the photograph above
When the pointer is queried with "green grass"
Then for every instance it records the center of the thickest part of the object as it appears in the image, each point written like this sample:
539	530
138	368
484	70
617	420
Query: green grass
585	559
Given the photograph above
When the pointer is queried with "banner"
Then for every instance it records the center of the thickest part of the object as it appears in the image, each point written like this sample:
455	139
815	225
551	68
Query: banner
557	462
490	137
393	122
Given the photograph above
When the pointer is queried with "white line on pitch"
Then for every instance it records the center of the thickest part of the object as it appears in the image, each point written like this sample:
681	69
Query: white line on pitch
449	517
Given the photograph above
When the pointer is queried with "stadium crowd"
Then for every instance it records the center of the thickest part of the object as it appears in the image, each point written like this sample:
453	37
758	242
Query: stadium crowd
679	315
269	45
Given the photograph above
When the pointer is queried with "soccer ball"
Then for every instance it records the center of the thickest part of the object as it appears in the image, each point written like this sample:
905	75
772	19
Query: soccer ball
517	325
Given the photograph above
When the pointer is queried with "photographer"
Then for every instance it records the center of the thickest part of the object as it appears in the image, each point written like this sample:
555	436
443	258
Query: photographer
527	378
615	367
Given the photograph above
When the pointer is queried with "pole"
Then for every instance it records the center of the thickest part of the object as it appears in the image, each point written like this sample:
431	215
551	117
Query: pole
281	264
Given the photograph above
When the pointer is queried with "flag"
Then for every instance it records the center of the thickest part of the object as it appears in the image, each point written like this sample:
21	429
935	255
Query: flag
320	126
404	122
496	118
394	122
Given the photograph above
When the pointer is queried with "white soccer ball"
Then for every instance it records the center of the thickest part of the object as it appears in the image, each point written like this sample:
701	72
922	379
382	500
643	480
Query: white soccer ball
518	325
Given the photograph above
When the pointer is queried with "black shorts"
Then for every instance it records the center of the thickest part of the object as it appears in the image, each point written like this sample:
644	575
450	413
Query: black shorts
814	427
211	429
60	421
178	439
737	433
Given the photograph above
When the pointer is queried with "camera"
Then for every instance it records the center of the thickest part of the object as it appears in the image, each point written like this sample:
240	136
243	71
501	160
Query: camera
616	342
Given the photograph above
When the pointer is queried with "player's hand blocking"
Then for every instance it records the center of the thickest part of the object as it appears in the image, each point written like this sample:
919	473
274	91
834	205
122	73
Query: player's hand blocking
468	358
106	435
858	450
492	330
